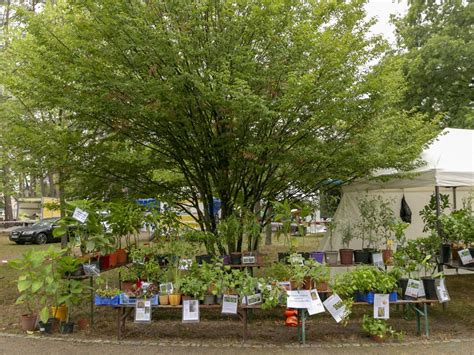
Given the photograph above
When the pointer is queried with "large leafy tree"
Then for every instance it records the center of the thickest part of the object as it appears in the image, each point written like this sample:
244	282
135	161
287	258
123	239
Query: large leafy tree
247	101
437	39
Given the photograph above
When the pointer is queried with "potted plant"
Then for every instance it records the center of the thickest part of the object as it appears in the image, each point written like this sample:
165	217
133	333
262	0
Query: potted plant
377	329
318	273
331	255
36	284
345	253
192	286
107	296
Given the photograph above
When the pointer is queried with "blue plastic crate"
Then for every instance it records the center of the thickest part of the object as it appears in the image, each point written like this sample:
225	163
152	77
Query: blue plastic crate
106	301
124	299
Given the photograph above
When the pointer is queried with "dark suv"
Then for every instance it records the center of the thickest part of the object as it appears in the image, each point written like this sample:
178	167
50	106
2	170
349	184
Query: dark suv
40	233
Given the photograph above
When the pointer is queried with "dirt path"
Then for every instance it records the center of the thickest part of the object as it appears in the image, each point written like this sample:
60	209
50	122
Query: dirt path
15	344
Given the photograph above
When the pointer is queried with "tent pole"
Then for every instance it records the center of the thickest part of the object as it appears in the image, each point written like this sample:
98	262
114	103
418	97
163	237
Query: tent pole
454	198
438	228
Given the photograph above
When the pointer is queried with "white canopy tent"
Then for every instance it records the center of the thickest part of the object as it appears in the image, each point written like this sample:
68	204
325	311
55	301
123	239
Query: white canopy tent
449	165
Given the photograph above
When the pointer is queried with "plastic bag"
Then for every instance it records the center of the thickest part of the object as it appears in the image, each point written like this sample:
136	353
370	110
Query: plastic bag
405	211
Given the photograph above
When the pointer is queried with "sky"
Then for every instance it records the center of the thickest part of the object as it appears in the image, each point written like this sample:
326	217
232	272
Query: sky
382	9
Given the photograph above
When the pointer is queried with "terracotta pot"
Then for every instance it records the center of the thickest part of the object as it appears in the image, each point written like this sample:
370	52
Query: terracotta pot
164	299
60	312
387	256
121	256
322	286
175	299
454	254
28	322
346	256
83	323
308	283
128	286
113	259
377	338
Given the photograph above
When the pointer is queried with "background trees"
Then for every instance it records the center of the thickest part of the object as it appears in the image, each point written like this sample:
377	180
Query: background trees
247	101
437	39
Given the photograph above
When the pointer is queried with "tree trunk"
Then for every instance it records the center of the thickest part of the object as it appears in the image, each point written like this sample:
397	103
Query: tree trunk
52	185
6	193
62	206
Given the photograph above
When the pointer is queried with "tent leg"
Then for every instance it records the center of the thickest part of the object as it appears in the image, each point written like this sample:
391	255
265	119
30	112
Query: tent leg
454	199
438	226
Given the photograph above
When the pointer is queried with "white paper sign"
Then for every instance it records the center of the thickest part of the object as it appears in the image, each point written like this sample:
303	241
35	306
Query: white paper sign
185	264
465	256
316	304
190	311
143	311
298	299
377	260
421	290
335	306
248	259
254	299
381	306
412	288
229	304
80	215
442	292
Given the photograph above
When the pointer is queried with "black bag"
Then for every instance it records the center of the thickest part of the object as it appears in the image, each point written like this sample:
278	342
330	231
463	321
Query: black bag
405	211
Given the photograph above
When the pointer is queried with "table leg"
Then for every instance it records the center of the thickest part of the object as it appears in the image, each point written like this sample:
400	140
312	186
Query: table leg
418	325
119	323
91	284
245	320
303	330
427	322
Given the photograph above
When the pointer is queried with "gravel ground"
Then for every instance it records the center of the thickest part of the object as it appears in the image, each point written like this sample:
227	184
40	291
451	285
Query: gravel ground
16	344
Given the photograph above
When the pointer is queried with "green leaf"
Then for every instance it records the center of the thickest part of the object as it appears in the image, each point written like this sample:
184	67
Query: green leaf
24	285
44	314
36	285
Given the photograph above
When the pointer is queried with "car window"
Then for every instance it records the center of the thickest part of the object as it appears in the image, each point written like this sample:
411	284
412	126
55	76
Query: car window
44	223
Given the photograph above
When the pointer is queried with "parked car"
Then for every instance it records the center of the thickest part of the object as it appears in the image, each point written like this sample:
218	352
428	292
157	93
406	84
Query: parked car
40	233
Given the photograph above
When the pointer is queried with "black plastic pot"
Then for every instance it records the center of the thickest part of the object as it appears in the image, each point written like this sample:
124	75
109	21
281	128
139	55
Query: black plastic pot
429	285
402	285
283	257
209	299
161	260
445	253
471	250
46	327
203	259
236	258
305	255
66	327
361	257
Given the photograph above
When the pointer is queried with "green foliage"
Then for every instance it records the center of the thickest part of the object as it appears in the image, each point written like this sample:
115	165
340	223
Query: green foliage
44	281
108	292
417	255
437	39
378	327
365	279
376	218
244	101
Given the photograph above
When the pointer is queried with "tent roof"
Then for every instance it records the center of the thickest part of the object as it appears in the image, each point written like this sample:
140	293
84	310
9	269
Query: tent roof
449	161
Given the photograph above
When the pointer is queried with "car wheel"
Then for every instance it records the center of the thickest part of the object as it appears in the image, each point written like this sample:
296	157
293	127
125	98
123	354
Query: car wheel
41	238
